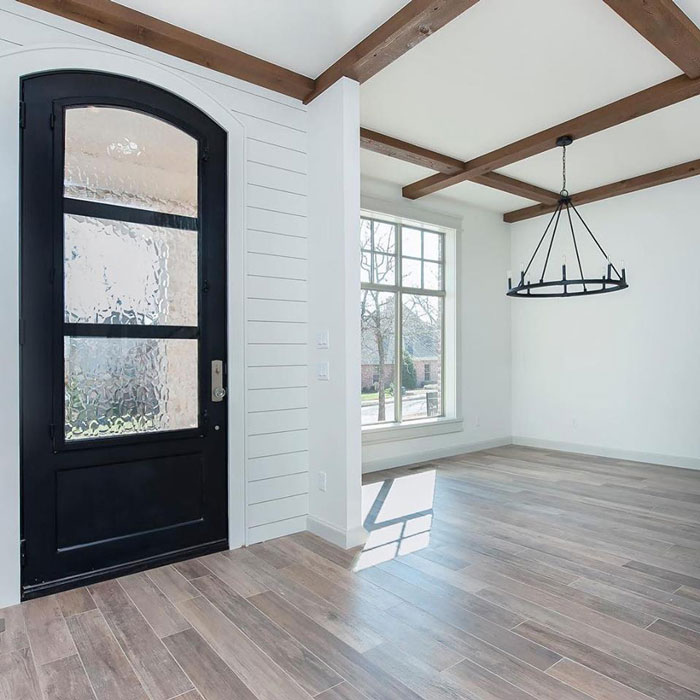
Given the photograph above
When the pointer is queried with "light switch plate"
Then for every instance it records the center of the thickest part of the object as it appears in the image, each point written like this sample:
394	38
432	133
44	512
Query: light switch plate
322	340
322	371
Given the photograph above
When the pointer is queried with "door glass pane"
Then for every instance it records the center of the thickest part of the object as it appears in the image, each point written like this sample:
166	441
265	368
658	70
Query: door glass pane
119	156
126	386
122	273
378	313
421	368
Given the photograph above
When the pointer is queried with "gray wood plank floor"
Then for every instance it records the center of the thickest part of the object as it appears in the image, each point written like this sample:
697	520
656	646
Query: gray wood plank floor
506	574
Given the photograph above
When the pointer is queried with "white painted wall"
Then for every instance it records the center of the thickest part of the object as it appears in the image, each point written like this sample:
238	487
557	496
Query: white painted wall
483	328
617	374
334	295
267	268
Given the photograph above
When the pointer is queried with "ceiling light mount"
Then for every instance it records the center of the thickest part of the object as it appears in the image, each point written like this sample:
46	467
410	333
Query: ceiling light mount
612	279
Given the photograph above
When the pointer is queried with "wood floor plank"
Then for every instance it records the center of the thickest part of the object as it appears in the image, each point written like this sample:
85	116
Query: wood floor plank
14	636
592	683
211	676
18	678
610	666
661	656
346	661
428	683
306	668
634	601
108	669
676	633
75	601
192	568
153	605
255	668
65	679
233	575
342	691
158	672
47	630
172	583
432	652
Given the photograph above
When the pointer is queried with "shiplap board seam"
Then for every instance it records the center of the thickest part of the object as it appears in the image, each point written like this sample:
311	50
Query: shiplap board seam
276	211
279	432
267	320
270	478
277	167
269	121
278	145
278	255
275	189
278	454
276	233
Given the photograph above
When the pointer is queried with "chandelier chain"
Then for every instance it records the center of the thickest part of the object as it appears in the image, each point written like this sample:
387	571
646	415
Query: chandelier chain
564	191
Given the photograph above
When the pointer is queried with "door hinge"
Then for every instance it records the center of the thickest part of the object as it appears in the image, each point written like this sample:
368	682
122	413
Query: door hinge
21	331
52	120
205	287
205	153
22	114
22	552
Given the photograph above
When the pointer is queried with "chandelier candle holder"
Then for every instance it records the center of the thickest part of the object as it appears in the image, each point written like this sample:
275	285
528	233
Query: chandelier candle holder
612	279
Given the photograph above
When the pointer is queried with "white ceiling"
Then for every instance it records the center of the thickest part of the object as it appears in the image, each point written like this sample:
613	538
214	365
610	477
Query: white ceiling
305	36
506	69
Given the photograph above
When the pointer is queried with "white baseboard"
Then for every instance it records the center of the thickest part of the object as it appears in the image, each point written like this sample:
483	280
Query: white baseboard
613	452
347	539
377	465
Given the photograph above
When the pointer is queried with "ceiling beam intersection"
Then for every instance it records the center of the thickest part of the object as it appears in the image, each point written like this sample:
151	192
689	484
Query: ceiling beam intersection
596	194
408	152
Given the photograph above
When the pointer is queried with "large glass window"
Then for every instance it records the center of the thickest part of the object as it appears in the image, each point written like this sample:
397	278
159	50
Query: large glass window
402	312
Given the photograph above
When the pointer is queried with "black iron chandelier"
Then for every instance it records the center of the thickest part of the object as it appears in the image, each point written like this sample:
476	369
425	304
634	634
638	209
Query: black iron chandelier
611	280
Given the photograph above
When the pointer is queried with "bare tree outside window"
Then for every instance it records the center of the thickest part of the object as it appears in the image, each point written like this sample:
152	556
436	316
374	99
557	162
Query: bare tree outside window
402	315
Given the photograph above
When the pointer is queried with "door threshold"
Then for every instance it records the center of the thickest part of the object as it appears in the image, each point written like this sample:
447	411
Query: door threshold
38	590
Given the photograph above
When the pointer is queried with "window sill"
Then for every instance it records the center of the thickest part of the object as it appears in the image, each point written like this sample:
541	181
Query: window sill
407	431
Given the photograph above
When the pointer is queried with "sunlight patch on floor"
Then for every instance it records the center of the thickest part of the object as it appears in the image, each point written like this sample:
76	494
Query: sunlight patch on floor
397	514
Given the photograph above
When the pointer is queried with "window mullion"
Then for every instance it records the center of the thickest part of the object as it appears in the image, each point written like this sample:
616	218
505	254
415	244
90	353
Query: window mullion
398	352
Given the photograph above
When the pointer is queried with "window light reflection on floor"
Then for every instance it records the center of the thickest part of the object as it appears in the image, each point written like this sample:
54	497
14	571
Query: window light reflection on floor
398	515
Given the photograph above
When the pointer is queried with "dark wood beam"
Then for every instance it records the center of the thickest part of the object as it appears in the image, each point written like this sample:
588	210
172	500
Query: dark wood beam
143	29
633	184
667	93
663	24
408	27
408	152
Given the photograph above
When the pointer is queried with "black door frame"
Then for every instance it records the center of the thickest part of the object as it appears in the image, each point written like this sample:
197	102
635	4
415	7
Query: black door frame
40	268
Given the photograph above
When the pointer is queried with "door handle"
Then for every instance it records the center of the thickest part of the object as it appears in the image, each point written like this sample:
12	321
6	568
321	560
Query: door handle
218	391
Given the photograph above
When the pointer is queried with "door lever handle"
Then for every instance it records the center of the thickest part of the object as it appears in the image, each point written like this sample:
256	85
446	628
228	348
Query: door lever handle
218	391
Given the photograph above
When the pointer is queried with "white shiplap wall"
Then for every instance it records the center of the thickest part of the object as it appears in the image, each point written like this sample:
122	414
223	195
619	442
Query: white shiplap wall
276	284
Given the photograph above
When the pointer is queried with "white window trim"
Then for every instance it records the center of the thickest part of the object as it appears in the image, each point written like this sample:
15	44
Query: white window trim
451	421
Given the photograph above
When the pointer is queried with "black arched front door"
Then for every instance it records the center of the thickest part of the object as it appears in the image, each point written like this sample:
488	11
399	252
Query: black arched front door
123	329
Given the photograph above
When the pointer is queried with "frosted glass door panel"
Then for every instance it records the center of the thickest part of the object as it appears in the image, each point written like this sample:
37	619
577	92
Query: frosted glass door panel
118	272
118	156
126	386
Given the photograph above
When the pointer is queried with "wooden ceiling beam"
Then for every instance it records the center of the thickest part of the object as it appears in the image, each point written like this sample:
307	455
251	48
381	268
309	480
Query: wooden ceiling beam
402	150
663	24
662	95
413	23
633	184
143	29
